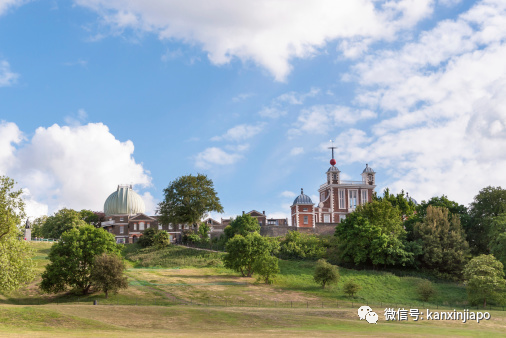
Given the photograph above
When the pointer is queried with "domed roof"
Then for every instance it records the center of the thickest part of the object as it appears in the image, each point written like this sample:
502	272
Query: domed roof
302	199
368	169
124	201
333	168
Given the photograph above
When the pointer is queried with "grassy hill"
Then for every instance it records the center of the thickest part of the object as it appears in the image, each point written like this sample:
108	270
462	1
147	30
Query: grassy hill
188	292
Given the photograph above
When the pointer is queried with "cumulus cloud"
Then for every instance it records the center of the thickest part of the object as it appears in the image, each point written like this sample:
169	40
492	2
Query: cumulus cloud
267	33
240	132
70	166
7	77
10	135
442	103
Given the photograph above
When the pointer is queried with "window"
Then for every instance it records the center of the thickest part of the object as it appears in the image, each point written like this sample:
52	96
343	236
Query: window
342	203
186	227
120	240
304	209
141	226
352	199
159	226
135	226
179	226
121	219
342	218
171	226
147	226
122	229
363	197
306	221
273	222
326	218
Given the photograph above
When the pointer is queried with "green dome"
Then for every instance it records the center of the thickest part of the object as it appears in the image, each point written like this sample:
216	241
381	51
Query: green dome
124	201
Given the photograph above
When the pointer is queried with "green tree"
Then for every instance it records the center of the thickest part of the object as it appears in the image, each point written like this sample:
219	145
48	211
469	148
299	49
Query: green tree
148	237
16	265
188	199
37	226
300	245
350	287
421	210
497	238
426	290
443	241
161	239
325	273
484	277
489	203
63	220
203	232
373	234
266	266
72	258
12	207
401	201
90	217
243	251
107	273
242	225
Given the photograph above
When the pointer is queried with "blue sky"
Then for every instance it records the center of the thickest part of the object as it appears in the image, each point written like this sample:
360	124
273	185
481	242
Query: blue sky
96	93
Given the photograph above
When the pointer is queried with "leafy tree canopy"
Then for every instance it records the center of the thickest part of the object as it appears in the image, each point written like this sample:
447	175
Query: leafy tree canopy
484	277
72	258
12	207
108	273
489	203
444	246
242	225
373	234
16	266
325	273
188	199
63	220
300	245
243	251
405	205
497	238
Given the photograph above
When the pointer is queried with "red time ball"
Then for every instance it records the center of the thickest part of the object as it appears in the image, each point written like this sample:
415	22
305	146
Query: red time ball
332	162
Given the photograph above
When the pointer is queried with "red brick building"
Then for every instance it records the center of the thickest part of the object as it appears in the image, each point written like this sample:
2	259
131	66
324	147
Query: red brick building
337	199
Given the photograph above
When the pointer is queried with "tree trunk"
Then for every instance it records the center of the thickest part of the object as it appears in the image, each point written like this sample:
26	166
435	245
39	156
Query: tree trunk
485	303
86	289
106	293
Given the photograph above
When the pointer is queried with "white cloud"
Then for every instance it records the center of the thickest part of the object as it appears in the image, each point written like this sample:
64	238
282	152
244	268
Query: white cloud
10	135
75	167
288	194
320	119
443	106
278	106
279	215
6	4
33	208
267	33
150	202
297	151
76	119
242	97
214	156
7	77
240	132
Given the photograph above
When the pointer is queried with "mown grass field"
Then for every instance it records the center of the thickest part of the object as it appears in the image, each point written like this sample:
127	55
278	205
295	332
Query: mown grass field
184	292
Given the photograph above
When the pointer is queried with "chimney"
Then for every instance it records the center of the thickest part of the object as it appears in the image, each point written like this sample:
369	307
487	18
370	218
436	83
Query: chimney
263	212
243	212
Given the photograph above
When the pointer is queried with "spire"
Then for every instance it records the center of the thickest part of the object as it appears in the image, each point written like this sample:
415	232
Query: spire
332	161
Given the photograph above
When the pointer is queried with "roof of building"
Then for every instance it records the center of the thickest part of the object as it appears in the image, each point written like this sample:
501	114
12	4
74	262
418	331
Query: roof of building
124	201
302	198
368	169
333	168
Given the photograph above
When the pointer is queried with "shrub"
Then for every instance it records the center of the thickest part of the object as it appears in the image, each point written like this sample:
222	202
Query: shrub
426	290
267	268
147	238
325	273
107	273
300	245
351	287
161	239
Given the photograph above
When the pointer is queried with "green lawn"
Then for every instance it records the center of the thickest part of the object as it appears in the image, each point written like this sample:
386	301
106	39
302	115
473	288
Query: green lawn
187	292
